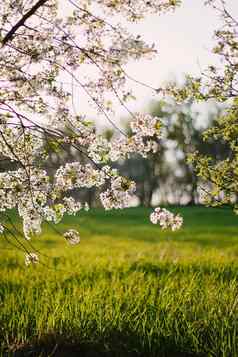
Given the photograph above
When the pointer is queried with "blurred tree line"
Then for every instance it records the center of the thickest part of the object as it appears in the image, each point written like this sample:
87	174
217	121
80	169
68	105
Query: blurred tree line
165	177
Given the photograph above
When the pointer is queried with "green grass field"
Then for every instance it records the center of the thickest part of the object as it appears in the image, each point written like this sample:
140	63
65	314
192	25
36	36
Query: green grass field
128	289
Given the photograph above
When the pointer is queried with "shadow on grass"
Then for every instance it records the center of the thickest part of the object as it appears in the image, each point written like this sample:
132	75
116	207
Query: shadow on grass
117	344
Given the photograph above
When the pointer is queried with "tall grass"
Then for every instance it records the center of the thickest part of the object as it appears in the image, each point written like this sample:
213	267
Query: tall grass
128	289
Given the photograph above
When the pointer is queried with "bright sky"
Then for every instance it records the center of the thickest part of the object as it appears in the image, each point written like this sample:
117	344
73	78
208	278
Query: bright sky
183	39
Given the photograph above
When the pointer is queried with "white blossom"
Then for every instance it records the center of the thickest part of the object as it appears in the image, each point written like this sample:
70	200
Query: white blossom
119	195
31	258
1	229
166	219
145	125
72	236
71	206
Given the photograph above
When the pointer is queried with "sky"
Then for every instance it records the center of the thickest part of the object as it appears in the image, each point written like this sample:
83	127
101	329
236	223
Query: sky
183	38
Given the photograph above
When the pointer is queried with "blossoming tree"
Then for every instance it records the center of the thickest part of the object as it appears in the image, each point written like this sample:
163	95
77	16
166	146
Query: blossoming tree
220	83
40	43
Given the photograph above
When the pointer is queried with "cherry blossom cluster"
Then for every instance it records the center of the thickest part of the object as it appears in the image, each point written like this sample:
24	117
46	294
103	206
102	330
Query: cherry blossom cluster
166	219
143	140
19	143
145	125
75	175
119	195
72	236
31	258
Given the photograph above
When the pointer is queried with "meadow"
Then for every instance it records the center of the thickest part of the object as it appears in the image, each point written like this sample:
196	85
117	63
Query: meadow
128	289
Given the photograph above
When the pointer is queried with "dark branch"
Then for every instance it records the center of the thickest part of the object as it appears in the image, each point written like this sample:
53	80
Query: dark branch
21	22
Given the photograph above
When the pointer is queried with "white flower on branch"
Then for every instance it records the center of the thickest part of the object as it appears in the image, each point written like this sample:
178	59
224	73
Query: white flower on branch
166	219
31	258
1	229
72	236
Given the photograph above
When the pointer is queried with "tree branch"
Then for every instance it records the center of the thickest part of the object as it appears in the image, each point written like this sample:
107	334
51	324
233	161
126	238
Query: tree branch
21	22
